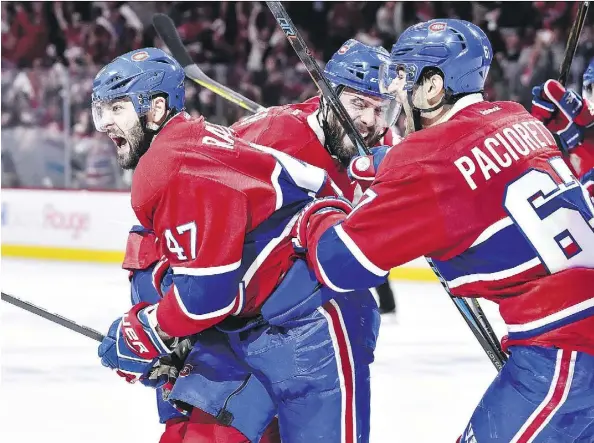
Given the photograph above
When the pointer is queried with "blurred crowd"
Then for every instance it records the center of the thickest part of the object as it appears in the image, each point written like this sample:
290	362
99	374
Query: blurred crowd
52	50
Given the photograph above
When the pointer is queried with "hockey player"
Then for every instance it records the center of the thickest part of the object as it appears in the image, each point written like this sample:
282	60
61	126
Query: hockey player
307	133
310	132
571	119
222	211
481	189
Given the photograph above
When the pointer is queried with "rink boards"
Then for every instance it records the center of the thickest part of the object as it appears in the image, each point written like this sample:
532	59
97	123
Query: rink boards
91	226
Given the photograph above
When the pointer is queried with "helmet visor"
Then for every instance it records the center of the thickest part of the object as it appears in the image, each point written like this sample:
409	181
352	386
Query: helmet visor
117	112
397	79
370	110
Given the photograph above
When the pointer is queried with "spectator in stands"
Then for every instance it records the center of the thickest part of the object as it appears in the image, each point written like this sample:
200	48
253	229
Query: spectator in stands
240	45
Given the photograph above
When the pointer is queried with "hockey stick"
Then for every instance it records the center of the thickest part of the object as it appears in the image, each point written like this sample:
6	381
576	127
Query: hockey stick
304	54
572	42
490	334
168	33
480	327
62	321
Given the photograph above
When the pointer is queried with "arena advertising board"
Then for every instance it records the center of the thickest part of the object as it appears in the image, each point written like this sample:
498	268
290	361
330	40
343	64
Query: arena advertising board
70	225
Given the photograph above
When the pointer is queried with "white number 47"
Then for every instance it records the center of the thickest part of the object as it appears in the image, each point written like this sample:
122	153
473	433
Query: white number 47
173	245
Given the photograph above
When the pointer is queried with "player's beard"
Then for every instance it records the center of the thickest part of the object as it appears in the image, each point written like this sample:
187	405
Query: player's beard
137	142
341	146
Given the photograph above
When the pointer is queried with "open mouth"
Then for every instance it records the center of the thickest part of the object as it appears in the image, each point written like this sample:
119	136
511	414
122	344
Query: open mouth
363	131
119	141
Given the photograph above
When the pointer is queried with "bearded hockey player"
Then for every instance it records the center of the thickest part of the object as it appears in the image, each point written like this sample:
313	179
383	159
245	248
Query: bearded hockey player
481	189
222	211
310	132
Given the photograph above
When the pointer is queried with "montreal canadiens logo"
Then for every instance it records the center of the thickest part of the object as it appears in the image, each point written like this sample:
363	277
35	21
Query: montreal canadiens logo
343	49
140	56
362	163
186	370
437	27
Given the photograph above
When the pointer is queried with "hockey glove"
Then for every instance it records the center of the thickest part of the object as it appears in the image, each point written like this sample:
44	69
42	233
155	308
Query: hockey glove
564	112
332	206
132	346
364	168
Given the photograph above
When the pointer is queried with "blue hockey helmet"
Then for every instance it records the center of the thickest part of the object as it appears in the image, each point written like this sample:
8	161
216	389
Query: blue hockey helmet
139	75
356	65
588	82
459	49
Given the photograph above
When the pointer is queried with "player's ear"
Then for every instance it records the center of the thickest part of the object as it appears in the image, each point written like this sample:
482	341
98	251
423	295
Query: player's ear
158	110
435	86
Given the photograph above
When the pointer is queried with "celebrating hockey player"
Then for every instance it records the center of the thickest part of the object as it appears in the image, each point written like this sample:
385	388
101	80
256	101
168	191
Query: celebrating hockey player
310	132
222	211
482	190
297	130
571	119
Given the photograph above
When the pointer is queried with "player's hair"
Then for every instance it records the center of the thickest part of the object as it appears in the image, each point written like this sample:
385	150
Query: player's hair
429	72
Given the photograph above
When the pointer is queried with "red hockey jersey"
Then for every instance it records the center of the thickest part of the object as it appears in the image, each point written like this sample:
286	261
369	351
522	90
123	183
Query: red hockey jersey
294	130
222	211
487	196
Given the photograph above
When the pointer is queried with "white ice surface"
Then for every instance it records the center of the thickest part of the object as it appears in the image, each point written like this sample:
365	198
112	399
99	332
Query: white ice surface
428	376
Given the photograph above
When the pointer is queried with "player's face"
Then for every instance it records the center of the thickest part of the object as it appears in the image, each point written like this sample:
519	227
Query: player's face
394	83
119	120
371	116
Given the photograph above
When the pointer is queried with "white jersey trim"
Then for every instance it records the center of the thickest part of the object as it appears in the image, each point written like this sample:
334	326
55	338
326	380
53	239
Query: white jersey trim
357	253
218	313
214	270
492	230
582	306
263	255
327	281
472	278
276	185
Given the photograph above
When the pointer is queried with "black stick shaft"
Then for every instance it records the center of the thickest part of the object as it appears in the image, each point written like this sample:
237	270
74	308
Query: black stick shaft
168	33
55	318
493	352
572	42
304	54
490	333
481	329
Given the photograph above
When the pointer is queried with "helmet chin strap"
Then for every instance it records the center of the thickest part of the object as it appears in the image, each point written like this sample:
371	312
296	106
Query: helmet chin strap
417	112
323	121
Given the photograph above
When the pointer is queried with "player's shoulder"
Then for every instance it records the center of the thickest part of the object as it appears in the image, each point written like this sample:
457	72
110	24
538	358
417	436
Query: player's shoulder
178	144
486	110
286	128
470	122
295	113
